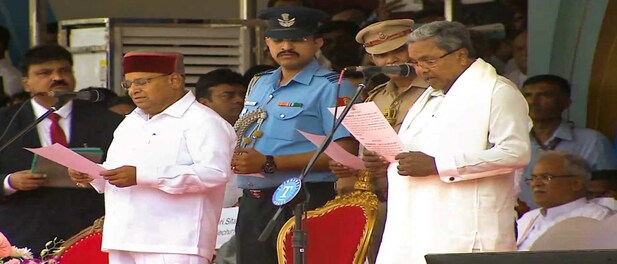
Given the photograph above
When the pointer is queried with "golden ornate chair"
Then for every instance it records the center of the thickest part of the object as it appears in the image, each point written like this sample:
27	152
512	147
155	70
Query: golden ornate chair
337	233
85	247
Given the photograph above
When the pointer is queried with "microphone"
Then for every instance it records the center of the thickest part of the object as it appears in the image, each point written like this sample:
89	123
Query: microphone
400	70
86	95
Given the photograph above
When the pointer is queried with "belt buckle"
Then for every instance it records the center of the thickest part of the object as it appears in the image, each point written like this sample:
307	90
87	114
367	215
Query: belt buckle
255	193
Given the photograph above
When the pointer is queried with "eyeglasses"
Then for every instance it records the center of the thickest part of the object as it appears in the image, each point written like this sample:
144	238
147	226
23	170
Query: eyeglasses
126	84
545	178
430	63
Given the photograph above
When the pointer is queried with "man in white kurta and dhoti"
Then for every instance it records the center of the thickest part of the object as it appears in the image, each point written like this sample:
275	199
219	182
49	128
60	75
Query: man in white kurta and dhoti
466	137
166	169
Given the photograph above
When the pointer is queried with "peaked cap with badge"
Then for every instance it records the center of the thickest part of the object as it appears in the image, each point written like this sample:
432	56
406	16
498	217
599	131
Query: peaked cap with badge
291	22
385	36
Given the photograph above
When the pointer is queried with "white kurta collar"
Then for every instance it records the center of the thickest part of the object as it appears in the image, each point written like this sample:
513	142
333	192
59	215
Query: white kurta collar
551	214
176	109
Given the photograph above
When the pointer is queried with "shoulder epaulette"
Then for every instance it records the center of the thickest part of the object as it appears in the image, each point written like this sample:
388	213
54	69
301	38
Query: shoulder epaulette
373	92
251	84
332	77
264	72
254	80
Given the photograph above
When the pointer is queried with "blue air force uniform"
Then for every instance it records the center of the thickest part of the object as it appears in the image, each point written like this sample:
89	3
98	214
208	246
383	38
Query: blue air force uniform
301	104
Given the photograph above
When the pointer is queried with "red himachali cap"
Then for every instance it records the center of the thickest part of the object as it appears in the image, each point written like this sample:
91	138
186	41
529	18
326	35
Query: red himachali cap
159	62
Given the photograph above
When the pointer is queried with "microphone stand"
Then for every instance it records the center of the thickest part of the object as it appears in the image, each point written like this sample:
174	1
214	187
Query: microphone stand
55	107
299	237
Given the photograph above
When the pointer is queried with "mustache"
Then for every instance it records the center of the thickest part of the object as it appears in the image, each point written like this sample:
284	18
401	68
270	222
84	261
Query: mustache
58	82
287	52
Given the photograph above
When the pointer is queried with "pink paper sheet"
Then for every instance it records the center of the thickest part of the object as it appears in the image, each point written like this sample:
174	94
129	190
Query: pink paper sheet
68	158
368	125
336	152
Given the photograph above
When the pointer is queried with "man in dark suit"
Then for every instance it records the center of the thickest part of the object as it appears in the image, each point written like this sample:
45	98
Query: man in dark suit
31	213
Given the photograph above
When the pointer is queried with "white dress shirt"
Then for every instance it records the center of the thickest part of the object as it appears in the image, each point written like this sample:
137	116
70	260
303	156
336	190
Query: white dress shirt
182	158
535	222
43	128
608	202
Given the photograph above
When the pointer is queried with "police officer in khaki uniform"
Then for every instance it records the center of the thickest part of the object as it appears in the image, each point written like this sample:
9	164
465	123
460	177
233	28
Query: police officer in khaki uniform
385	42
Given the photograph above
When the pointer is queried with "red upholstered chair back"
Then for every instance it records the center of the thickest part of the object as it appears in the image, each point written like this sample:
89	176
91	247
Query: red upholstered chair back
85	247
338	233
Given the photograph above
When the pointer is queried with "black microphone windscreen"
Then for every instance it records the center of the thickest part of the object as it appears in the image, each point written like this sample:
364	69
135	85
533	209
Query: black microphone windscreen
85	95
90	95
353	68
400	69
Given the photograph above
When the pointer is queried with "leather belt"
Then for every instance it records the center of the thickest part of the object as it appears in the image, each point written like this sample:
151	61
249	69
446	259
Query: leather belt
259	194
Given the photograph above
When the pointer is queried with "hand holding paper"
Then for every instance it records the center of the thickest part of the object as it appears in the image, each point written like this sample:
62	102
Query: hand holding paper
375	164
68	158
124	176
416	164
335	151
25	180
340	170
368	125
81	179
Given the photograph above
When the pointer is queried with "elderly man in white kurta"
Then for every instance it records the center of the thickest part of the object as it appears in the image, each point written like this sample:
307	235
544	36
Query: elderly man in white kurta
559	185
167	166
453	190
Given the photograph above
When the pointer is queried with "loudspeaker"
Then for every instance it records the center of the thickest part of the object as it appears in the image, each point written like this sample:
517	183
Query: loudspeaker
527	257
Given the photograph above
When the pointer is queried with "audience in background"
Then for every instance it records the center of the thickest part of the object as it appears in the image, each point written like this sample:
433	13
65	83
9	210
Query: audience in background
10	77
351	13
500	52
339	46
559	183
516	69
548	97
223	91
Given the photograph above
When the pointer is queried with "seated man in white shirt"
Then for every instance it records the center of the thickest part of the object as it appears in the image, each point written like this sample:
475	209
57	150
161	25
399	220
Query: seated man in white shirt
559	184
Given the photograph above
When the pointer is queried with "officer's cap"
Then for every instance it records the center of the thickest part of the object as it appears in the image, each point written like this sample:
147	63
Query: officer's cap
291	22
384	36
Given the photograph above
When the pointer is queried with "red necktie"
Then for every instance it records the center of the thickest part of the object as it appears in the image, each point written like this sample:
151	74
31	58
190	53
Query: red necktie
55	130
